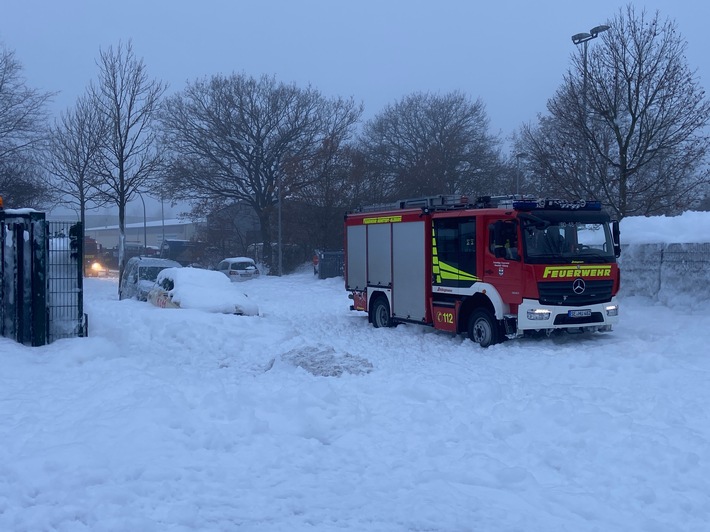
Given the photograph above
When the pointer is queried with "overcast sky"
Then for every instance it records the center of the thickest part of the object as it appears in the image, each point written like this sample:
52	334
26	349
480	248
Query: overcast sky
510	54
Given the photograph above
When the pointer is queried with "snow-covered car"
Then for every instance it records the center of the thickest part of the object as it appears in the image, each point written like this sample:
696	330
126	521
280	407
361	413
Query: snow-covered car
238	268
140	275
195	288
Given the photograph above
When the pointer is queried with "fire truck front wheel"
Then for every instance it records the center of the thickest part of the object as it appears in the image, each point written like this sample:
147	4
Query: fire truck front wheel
483	328
381	313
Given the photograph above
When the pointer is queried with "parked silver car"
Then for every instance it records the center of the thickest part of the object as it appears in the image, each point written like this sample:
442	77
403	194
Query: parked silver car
140	274
238	268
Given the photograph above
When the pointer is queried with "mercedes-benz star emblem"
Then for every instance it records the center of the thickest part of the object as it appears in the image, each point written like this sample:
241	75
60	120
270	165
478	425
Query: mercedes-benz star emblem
578	286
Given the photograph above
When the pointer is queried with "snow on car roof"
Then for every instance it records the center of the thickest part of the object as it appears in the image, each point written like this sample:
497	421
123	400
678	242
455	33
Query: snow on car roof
207	290
195	277
239	259
155	261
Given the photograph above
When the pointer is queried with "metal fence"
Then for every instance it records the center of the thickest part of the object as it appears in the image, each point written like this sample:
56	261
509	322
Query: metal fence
65	287
22	314
41	283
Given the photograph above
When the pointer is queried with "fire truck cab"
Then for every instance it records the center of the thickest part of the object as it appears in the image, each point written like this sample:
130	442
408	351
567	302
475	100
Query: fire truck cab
93	264
494	269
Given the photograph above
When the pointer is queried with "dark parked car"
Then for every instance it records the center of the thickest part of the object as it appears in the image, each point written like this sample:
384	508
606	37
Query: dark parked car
140	274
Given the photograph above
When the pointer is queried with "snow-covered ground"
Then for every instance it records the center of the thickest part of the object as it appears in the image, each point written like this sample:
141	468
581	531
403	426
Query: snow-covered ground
308	418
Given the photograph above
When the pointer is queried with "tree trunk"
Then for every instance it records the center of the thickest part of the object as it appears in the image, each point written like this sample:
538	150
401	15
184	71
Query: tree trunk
121	244
265	222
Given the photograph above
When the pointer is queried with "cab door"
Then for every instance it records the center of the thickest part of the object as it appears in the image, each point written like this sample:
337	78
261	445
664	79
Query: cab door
454	252
502	265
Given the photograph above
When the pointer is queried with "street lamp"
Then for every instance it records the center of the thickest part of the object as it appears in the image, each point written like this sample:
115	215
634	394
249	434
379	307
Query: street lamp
584	38
145	225
519	156
278	179
162	216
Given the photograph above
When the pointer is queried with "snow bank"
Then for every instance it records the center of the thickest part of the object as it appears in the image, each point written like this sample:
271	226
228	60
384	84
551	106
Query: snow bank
307	418
689	227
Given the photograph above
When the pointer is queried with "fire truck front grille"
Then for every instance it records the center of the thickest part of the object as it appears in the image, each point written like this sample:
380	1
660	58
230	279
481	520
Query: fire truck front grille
561	293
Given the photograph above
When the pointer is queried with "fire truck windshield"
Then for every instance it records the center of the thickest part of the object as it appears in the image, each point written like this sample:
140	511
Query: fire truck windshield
566	241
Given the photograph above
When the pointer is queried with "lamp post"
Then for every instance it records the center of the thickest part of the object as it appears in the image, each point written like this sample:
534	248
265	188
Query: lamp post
145	225
519	156
278	179
162	217
583	39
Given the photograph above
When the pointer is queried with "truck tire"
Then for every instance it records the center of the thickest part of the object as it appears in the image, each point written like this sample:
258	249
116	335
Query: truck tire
381	313
483	328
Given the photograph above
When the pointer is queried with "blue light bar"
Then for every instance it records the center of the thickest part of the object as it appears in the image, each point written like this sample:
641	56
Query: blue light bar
557	205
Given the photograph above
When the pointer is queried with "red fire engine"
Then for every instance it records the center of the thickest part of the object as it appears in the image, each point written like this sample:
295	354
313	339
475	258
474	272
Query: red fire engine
497	268
93	264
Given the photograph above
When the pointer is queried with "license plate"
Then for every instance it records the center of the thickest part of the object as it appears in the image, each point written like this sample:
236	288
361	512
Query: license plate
579	313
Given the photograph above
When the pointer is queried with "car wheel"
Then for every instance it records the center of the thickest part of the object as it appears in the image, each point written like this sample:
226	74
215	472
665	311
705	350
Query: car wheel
381	313
483	328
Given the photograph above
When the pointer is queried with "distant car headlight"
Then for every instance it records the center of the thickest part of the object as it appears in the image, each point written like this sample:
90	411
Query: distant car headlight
96	267
538	314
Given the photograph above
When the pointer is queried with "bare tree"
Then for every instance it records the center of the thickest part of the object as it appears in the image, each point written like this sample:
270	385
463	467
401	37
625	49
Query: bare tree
21	184
633	135
428	144
238	139
75	142
315	219
22	118
127	101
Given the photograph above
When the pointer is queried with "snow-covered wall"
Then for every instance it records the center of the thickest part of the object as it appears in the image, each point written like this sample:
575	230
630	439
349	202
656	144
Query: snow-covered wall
667	272
641	269
666	257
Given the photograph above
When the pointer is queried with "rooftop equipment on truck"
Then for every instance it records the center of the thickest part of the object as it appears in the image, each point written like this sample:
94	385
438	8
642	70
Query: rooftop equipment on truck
497	268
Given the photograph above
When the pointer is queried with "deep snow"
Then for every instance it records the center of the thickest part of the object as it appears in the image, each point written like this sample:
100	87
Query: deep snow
307	418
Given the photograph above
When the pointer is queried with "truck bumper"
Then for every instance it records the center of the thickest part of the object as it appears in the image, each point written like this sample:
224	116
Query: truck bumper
532	315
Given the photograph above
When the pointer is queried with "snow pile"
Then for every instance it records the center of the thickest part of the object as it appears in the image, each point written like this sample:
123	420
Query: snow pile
325	362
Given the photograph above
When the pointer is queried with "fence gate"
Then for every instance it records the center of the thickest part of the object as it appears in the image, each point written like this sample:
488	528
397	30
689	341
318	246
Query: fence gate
41	283
65	289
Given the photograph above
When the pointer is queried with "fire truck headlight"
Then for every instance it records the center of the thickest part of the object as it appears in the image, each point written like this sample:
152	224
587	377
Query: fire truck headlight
612	310
538	314
96	267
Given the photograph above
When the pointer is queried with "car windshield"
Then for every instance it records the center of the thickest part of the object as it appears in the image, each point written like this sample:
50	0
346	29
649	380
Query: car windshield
149	273
567	241
242	266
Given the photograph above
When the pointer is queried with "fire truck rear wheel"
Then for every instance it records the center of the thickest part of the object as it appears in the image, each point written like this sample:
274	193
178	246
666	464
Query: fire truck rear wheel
381	313
483	328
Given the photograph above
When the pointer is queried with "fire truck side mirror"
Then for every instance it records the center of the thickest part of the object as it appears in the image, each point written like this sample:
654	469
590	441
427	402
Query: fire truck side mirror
615	232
